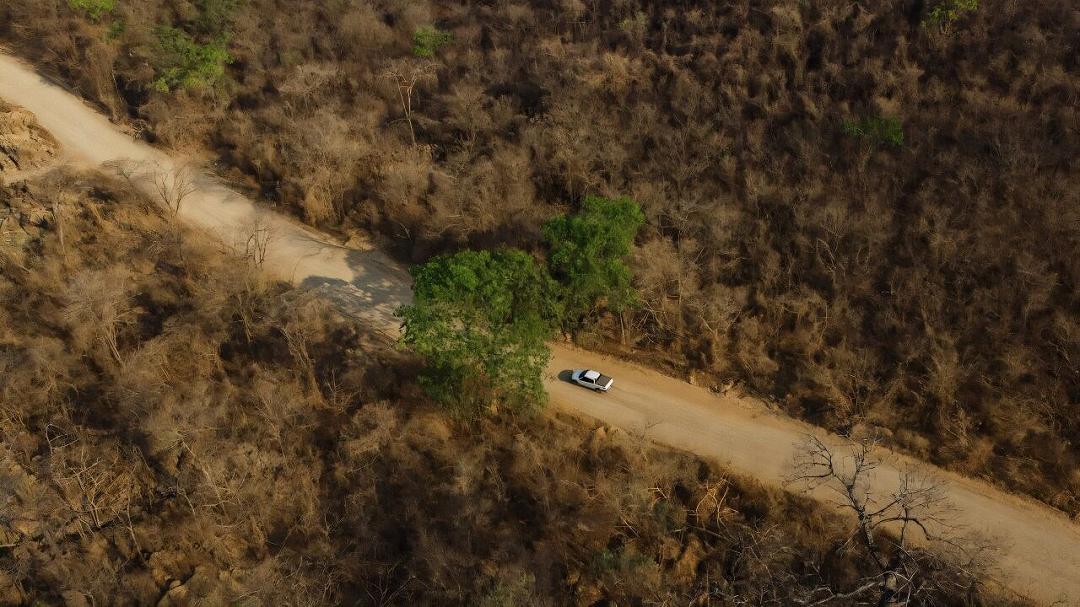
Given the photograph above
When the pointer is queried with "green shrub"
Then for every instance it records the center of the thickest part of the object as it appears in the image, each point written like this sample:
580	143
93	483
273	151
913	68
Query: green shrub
948	12
186	63
95	9
428	40
116	29
624	560
877	130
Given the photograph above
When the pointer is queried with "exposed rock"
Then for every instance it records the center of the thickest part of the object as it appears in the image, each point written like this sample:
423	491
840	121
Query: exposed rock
24	145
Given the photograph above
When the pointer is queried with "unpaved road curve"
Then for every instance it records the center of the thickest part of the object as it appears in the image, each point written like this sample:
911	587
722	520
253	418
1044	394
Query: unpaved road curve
1041	548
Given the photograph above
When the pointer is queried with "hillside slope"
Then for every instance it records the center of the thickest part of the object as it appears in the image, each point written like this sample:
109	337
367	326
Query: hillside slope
1040	548
865	211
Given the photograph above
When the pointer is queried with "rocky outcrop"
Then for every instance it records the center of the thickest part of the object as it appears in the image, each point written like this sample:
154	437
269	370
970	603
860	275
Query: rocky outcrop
24	145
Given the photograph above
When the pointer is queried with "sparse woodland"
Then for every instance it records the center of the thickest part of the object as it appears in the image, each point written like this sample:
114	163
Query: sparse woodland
866	211
178	431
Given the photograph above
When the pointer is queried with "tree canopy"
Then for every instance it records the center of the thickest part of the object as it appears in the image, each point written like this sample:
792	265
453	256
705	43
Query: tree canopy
481	319
587	251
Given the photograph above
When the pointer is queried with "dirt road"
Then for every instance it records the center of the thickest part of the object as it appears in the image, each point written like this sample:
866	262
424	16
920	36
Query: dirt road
1041	548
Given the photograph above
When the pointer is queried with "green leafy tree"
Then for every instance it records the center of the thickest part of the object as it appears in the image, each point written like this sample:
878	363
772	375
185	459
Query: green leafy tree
428	40
481	319
187	63
587	252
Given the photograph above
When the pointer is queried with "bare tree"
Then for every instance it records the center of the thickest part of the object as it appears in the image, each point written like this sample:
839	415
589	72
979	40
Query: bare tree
407	74
169	185
326	153
905	534
253	240
96	489
59	225
98	304
173	185
296	336
126	169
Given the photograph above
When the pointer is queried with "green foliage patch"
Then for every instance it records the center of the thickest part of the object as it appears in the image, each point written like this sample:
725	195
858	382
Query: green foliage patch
95	9
186	63
877	130
948	12
625	560
194	54
428	40
116	29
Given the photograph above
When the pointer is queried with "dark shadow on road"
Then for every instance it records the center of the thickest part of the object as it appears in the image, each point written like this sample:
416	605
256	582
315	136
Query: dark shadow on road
378	289
564	375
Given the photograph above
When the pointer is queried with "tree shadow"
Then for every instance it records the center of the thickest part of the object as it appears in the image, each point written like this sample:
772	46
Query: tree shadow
378	288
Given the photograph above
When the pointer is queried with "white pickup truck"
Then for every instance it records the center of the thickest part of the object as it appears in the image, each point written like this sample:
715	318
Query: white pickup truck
594	380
